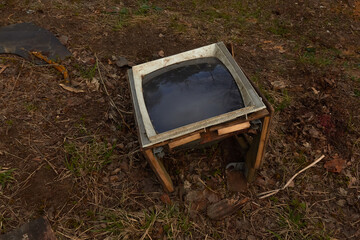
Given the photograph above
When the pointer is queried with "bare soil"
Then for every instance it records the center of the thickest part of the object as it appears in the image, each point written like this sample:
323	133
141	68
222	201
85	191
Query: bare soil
75	158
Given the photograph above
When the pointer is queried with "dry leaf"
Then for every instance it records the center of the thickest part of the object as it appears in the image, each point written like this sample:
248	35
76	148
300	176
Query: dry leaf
37	159
279	48
3	67
165	199
277	85
291	184
71	89
93	85
335	165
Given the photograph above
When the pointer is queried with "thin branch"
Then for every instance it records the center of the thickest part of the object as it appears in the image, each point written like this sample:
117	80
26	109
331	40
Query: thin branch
272	192
112	103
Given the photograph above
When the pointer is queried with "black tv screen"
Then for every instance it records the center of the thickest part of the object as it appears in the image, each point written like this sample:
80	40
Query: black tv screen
188	92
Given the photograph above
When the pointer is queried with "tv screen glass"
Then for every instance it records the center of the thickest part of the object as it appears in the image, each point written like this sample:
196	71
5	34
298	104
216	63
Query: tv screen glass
188	92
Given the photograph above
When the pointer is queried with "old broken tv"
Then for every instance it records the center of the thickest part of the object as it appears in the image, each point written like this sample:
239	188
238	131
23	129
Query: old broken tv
180	94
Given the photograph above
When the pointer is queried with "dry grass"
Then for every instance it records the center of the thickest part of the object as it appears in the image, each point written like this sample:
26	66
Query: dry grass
81	155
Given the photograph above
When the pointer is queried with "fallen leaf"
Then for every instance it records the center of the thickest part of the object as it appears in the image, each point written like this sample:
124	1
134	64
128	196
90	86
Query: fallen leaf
335	165
165	199
64	39
279	48
3	67
93	85
37	159
277	85
114	178
71	89
123	62
224	208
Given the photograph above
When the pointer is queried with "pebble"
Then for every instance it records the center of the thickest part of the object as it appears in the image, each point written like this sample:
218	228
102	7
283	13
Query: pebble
251	237
161	53
342	191
114	178
187	185
116	171
64	39
341	202
124	166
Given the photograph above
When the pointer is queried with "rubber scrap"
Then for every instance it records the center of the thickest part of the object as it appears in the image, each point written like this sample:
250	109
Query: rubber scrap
38	229
57	66
22	38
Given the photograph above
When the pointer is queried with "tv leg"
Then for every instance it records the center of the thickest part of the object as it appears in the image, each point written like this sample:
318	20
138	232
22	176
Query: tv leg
255	155
159	170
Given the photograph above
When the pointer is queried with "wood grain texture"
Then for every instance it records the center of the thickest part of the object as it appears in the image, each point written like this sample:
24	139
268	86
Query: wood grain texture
233	128
264	134
159	170
184	140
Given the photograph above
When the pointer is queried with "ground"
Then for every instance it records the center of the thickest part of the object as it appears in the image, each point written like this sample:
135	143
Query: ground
75	157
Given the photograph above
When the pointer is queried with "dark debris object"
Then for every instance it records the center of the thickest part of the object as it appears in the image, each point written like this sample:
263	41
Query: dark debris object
38	229
23	38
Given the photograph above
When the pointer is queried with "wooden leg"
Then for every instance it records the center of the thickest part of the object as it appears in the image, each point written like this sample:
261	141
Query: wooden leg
262	144
250	158
159	170
256	152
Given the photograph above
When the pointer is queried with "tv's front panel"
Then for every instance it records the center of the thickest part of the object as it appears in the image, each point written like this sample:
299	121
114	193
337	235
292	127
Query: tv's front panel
189	92
148	134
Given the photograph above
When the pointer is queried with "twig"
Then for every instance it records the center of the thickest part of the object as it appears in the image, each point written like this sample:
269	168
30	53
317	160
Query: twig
3	67
112	103
27	179
147	230
209	188
17	78
272	192
48	162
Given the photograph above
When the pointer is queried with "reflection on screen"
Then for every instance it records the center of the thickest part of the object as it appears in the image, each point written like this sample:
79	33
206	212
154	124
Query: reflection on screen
189	92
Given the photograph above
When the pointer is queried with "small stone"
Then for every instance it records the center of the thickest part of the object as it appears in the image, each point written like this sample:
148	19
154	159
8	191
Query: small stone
161	53
341	202
213	197
251	237
187	185
116	171
121	146
64	39
277	85
124	166
114	178
342	191
161	35
123	62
